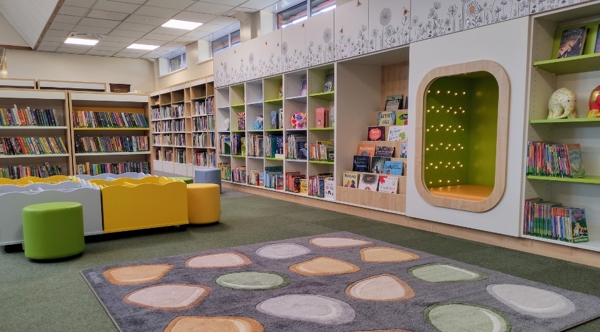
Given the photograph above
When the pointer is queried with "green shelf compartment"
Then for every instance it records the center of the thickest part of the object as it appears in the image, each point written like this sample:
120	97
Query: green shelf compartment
321	162
329	96
274	159
238	105
589	179
576	64
573	120
322	129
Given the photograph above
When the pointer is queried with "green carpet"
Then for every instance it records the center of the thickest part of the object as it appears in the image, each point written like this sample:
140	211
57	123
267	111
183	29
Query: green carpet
54	297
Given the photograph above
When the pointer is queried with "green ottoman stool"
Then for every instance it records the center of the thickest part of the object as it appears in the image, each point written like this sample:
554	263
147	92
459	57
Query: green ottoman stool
182	178
53	230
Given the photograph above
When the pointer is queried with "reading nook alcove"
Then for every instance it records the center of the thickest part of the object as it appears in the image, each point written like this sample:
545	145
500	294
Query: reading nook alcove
462	128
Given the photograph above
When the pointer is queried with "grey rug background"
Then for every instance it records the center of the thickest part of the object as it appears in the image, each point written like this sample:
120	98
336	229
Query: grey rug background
408	315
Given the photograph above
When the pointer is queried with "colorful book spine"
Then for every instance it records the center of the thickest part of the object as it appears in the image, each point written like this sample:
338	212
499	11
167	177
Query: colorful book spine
205	159
32	145
20	171
106	144
89	119
27	117
114	168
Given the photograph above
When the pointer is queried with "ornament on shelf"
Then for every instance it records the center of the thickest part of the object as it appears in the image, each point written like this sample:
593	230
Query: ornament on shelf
226	124
298	120
562	104
258	123
594	103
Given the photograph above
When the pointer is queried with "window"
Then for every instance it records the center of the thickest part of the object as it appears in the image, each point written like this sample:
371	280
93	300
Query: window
177	62
300	12
226	41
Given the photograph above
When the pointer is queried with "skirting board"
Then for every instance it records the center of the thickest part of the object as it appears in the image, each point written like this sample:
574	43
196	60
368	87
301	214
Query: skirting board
574	255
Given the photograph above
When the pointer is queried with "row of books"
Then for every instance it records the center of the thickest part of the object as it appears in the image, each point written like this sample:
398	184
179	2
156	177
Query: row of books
273	178
373	182
162	139
180	156
387	133
205	123
238	144
179	139
203	140
89	119
204	107
293	181
20	171
168	112
28	117
238	174
178	125
321	151
105	144
114	168
551	220
255	145
392	118
32	145
324	117
168	155
295	147
316	184
274	146
378	165
554	160
205	159
224	144
276	117
225	171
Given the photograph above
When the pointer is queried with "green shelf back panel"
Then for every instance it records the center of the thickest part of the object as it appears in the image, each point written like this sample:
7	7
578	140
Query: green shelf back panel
460	130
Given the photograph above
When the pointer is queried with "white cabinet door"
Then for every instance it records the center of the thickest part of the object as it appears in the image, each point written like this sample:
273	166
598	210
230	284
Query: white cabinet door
320	43
221	67
251	58
293	44
270	56
352	29
389	23
237	64
432	19
478	13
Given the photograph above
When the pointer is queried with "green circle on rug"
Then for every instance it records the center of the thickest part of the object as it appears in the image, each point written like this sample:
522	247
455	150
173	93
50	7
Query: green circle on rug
465	317
252	280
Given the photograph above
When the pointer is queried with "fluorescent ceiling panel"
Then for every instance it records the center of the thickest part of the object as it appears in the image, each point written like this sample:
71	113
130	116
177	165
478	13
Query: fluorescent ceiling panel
184	25
81	41
142	47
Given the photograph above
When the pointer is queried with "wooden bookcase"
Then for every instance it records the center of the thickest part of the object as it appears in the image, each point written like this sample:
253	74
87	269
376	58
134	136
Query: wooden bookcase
183	127
36	99
578	74
113	104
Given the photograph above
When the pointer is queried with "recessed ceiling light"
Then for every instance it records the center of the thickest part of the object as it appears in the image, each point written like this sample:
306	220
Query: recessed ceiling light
177	24
142	47
81	41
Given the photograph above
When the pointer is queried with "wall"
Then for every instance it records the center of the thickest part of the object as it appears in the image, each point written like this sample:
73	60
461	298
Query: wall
73	67
193	71
9	36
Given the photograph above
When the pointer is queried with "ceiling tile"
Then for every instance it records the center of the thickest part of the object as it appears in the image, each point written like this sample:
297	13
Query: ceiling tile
209	8
170	31
110	48
226	2
129	55
62	26
56	39
194	17
74	11
157	36
114	6
88	29
106	15
46	48
209	27
127	33
173	44
243	10
149	41
196	34
58	33
172	4
185	40
72	50
137	2
104	44
142	19
152	55
136	27
50	44
259	4
223	20
66	19
94	22
119	39
100	52
79	3
156	11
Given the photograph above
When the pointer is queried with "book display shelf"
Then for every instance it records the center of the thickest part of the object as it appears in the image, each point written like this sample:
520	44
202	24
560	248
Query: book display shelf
183	127
579	74
34	133
110	133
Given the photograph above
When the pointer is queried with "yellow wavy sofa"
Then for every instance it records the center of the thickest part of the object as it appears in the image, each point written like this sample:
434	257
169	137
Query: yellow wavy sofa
132	204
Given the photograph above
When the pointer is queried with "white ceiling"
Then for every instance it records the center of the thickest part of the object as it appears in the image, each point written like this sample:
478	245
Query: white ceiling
124	22
36	12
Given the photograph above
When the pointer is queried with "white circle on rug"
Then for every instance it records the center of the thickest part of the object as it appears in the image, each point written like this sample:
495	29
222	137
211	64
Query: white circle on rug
309	308
282	251
532	301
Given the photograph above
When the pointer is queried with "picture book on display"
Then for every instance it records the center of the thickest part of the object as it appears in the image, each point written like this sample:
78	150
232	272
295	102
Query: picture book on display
366	149
393	103
241	121
384	151
572	41
368	181
303	87
276	116
361	164
386	118
377	164
329	190
393	167
350	180
403	153
376	133
388	184
397	133
329	82
402	117
321	117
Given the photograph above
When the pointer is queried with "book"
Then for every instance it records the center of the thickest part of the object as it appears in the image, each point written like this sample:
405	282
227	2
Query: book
321	117
303	86
241	121
579	226
350	180
403	153
377	164
402	117
368	181
575	162
361	163
386	118
304	186
332	117
280	94
366	149
384	151
329	81
329	189
388	184
376	133
258	122
397	133
274	119
571	42
597	46
394	102
393	167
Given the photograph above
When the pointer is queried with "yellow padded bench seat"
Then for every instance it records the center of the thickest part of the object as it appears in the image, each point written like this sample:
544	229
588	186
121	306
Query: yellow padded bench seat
204	203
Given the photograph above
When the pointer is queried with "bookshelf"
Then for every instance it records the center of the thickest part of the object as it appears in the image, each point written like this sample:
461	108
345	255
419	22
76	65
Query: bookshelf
34	138
579	74
183	121
110	133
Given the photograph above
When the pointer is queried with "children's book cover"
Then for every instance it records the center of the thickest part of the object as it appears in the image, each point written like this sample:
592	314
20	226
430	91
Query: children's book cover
393	167
303	87
368	181
361	163
579	226
366	149
329	78
393	103
571	42
329	190
274	120
350	180
402	118
397	133
574	153
304	186
384	151
377	164
241	121
320	117
376	133
388	184
386	118
403	153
